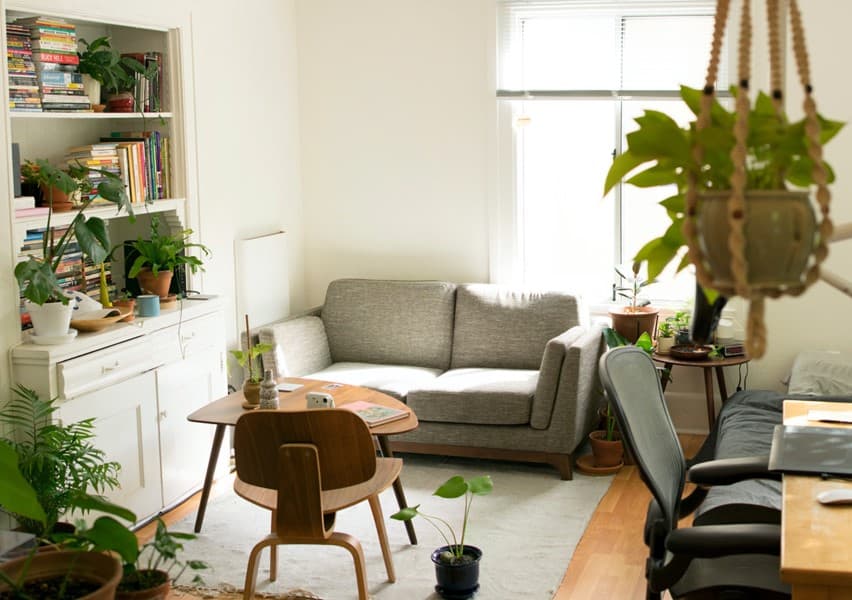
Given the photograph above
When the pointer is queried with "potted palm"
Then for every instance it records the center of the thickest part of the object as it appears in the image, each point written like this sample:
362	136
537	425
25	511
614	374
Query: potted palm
158	256
456	563
634	318
45	299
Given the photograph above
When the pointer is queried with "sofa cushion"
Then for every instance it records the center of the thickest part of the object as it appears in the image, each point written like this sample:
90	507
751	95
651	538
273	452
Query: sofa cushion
299	346
390	322
476	396
504	328
393	380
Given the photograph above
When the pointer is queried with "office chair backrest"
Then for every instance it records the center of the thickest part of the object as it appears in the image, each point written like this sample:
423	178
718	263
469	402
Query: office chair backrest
344	446
633	388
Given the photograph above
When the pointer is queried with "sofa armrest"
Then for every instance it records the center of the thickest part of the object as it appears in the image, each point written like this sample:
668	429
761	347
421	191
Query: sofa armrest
568	385
299	345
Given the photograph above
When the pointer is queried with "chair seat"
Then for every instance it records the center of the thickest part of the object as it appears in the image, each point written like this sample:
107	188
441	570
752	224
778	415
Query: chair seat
387	470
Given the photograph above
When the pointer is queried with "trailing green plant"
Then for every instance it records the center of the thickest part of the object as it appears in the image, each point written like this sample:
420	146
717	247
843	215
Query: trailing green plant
664	153
115	72
59	462
247	360
454	487
36	275
165	252
157	561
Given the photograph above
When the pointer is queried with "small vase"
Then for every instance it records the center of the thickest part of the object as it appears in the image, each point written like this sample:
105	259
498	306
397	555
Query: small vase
664	344
268	391
251	392
92	87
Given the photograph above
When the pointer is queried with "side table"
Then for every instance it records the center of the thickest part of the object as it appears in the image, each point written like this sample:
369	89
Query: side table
707	365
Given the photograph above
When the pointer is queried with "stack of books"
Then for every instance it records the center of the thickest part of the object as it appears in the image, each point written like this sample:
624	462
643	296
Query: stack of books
23	85
100	158
54	46
25	206
148	163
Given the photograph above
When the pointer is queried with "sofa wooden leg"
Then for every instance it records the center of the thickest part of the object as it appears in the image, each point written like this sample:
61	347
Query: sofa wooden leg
564	463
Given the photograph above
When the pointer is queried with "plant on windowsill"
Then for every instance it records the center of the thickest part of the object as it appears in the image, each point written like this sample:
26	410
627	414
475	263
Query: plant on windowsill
456	563
158	256
634	318
777	155
46	301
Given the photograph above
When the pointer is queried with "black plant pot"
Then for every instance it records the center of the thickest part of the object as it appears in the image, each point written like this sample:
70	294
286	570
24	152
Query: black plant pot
457	581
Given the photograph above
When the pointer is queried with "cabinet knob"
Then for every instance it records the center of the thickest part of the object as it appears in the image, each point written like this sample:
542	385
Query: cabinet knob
108	368
163	415
186	338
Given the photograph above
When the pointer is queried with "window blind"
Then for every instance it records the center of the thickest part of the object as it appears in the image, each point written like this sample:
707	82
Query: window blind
603	47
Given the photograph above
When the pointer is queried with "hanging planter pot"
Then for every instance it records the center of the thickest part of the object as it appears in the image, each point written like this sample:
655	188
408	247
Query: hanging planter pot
780	235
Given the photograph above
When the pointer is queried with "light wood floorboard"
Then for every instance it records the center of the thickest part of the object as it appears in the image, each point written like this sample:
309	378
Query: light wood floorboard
609	561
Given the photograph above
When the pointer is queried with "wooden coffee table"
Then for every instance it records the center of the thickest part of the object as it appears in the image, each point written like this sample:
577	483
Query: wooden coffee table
225	411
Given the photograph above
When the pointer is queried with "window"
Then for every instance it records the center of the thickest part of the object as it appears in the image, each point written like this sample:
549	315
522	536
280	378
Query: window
573	76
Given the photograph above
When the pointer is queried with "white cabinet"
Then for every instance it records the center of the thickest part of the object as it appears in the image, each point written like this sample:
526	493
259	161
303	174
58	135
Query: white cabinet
139	381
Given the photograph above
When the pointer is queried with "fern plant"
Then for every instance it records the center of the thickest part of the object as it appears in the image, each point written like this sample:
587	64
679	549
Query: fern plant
58	461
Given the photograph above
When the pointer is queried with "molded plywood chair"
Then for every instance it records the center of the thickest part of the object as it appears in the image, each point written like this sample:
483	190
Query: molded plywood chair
305	466
730	561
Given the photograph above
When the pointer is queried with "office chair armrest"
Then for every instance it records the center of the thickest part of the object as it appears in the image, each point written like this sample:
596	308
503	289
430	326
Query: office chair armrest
725	471
713	541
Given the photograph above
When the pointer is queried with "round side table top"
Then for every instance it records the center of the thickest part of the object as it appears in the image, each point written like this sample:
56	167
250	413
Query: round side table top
706	362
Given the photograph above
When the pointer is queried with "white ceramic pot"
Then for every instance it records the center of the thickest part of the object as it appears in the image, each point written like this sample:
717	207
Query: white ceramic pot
51	319
664	344
92	87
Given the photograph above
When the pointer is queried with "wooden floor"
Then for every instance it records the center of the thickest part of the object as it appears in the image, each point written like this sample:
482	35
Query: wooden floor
608	562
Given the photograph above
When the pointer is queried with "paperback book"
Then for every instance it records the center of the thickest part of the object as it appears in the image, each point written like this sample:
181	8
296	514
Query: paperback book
375	414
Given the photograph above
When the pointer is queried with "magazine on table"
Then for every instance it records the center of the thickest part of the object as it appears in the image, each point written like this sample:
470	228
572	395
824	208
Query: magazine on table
375	414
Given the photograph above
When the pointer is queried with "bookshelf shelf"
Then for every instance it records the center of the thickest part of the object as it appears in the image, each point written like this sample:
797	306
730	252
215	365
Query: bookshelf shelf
88	115
104	212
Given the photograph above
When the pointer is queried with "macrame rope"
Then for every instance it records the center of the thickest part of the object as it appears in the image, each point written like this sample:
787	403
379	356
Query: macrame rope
736	205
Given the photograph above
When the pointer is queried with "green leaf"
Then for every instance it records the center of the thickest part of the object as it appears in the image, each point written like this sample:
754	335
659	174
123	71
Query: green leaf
645	342
481	485
659	136
614	339
108	534
452	488
16	494
656	175
406	514
623	164
38	282
674	204
658	253
86	502
93	238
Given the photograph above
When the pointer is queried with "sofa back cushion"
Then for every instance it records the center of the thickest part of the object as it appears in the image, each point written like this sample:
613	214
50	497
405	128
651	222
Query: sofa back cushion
390	322
505	328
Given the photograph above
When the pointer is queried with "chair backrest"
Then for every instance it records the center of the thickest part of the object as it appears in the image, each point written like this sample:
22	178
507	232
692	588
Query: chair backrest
633	387
344	446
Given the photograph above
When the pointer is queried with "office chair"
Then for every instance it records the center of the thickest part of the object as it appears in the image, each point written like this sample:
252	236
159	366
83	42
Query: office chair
305	466
729	561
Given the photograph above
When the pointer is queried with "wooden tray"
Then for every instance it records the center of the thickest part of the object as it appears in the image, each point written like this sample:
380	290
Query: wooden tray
99	319
686	352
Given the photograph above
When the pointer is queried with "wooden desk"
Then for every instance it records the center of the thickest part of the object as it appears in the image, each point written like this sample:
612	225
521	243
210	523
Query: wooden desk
816	540
707	365
225	411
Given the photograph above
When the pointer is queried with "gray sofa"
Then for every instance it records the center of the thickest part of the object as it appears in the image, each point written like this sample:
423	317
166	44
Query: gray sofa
490	371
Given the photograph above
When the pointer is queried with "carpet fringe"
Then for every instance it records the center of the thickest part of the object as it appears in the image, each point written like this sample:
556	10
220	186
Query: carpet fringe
226	592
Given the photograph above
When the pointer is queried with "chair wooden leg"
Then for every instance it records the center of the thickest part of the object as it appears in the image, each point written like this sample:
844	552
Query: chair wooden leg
251	568
273	552
376	508
344	540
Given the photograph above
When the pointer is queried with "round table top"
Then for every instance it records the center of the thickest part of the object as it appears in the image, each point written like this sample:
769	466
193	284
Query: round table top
667	359
226	410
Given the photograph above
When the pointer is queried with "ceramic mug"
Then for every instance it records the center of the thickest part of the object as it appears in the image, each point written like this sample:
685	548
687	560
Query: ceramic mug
148	305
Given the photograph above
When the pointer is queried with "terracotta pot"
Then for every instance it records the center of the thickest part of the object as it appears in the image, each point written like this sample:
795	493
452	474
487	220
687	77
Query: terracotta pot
157	285
92	566
631	324
126	305
62	202
457	580
160	592
606	453
251	391
780	233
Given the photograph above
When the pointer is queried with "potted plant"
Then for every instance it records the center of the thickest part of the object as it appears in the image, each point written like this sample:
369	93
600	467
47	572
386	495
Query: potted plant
665	336
633	319
60	200
126	303
157	566
158	256
57	460
45	299
251	366
698	162
101	64
456	563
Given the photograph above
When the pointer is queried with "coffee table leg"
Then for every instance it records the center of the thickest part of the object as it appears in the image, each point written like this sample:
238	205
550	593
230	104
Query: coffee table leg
397	489
208	477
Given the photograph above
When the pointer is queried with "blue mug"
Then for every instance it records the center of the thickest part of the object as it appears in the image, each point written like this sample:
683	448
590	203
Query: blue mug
148	305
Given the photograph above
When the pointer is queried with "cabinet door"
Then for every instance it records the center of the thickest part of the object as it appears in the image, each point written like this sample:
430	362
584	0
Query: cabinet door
183	388
126	430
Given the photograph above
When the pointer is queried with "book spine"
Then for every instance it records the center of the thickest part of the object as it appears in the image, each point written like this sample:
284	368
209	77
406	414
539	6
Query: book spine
56	57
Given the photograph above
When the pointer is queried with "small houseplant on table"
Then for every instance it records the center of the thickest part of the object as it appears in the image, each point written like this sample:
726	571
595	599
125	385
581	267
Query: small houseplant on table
746	233
249	361
665	336
633	319
46	301
158	257
456	563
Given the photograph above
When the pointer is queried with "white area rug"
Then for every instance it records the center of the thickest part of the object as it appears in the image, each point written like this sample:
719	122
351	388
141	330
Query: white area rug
527	528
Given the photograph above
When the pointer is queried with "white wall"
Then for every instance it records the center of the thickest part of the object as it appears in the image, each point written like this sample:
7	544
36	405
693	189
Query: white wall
397	119
246	107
